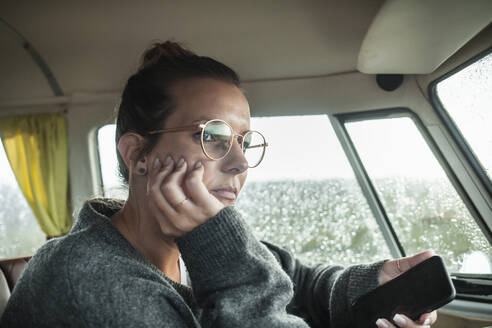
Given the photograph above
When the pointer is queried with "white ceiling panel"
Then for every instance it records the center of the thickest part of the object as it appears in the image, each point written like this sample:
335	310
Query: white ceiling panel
93	46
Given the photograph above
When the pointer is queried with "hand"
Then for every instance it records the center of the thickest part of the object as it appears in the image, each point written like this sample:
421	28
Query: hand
392	269
175	211
425	320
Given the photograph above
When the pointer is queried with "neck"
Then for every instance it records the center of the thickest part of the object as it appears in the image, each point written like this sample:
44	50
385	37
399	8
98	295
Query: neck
142	231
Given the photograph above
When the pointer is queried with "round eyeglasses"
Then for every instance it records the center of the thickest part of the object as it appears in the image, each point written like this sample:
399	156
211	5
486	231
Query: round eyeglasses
217	136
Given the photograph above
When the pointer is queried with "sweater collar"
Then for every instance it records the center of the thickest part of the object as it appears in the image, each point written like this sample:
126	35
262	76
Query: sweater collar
95	210
100	210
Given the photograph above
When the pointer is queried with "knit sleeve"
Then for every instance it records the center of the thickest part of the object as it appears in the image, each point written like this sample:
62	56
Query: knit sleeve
323	294
236	280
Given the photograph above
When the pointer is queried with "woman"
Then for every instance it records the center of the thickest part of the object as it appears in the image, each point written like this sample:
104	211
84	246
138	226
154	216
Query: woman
184	148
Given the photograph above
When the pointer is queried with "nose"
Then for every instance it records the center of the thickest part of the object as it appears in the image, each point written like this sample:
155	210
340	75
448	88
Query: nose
235	162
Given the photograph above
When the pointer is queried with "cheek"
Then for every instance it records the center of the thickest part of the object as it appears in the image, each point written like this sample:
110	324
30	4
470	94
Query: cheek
242	179
212	170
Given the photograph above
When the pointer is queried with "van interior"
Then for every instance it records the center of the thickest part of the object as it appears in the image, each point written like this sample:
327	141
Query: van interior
378	117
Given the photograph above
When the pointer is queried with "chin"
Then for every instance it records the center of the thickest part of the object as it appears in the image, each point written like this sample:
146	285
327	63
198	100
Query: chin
227	202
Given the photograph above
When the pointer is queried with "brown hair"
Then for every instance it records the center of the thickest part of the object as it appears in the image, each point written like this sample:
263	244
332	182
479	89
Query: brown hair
147	102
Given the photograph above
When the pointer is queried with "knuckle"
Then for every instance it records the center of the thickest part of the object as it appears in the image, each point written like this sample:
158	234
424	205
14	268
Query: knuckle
165	228
194	178
169	173
167	188
162	174
169	230
184	225
154	189
191	182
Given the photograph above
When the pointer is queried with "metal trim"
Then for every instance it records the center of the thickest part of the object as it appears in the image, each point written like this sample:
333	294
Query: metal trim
451	127
36	57
406	112
367	187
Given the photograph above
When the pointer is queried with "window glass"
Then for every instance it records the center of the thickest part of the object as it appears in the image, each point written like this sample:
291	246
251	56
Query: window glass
111	180
304	195
20	234
421	203
467	97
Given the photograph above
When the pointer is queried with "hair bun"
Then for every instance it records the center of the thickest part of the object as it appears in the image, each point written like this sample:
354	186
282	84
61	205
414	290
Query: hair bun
168	51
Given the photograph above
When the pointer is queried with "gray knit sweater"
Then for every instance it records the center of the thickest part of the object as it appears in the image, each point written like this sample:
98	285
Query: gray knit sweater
93	277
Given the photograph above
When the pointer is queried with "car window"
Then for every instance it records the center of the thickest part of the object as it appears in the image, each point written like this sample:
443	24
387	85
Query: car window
20	234
422	205
466	96
303	196
111	181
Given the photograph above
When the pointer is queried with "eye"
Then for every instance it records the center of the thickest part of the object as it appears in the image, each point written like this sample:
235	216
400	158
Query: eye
207	137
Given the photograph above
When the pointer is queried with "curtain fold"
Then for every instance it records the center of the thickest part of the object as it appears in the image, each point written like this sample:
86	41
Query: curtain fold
36	147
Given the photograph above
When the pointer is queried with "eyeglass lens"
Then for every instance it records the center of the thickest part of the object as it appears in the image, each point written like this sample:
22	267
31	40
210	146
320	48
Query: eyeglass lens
217	139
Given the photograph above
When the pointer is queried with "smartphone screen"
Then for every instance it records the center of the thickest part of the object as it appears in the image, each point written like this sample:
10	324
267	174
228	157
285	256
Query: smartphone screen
423	288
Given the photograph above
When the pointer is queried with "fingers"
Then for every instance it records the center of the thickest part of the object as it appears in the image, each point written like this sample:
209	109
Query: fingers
199	193
152	170
194	185
403	321
394	268
178	199
428	319
154	183
383	323
409	262
171	188
167	197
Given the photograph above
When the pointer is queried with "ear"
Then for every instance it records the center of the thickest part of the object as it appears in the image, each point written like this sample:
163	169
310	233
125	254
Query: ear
129	146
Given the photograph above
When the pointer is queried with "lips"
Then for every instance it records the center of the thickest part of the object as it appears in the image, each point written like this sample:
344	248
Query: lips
225	192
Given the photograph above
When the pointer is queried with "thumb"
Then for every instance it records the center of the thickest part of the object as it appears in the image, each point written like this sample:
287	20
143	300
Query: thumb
409	262
393	268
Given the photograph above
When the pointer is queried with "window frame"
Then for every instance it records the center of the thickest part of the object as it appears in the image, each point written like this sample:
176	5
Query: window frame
452	128
97	157
338	122
94	137
470	285
367	187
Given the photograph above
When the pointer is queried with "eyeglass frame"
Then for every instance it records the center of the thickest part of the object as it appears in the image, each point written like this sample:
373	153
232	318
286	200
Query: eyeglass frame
202	127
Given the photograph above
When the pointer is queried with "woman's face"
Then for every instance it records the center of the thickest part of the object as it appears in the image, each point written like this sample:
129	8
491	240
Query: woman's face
197	101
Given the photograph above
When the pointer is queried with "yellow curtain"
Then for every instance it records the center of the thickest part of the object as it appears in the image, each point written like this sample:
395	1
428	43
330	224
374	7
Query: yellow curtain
36	146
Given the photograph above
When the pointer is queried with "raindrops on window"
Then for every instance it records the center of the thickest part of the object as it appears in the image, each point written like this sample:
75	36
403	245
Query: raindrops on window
324	221
467	97
304	195
422	205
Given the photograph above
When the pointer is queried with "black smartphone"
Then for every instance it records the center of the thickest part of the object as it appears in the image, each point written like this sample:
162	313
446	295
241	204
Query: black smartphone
424	288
